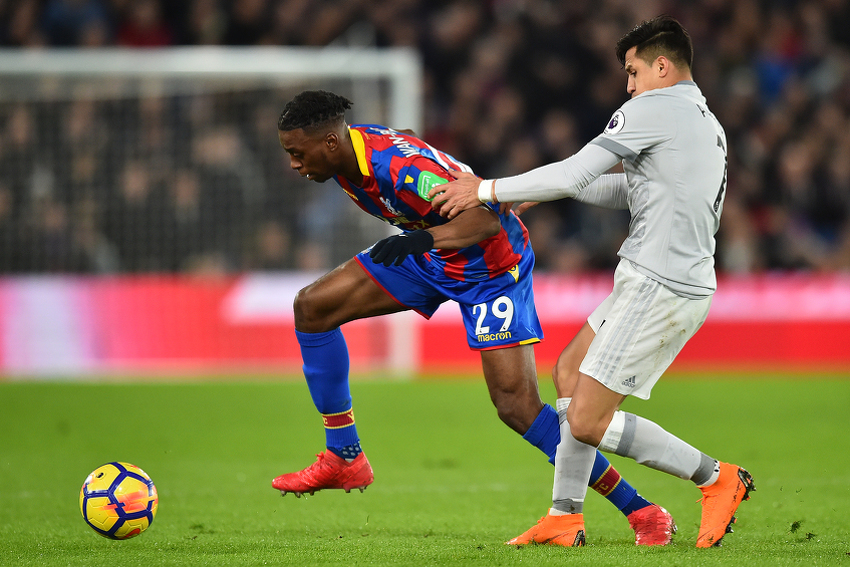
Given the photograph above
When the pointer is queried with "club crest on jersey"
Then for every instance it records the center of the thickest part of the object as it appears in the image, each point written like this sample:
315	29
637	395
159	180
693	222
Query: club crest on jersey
616	123
428	181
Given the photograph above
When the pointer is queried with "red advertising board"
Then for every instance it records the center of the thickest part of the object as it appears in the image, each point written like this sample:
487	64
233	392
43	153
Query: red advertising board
81	325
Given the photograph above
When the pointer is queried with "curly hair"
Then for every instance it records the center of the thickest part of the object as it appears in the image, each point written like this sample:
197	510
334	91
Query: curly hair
311	109
662	35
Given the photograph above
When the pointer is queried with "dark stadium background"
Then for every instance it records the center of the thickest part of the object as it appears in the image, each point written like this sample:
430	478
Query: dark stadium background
508	85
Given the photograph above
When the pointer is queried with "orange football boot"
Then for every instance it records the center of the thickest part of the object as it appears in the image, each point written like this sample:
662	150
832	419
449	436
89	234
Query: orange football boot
566	531
720	501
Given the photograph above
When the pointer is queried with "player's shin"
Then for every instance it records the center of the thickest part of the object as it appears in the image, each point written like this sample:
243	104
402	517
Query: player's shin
646	442
605	480
326	363
573	464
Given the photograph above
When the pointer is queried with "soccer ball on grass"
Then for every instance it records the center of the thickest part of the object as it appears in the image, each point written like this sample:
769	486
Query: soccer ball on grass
118	500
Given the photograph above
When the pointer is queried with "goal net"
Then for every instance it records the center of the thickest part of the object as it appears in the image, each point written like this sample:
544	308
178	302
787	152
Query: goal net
142	163
168	161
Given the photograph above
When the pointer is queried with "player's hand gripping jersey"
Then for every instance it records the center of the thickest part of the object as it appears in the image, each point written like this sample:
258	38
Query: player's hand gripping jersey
491	281
398	171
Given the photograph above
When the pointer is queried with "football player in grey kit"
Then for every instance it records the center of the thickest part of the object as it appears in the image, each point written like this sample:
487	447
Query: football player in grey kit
673	152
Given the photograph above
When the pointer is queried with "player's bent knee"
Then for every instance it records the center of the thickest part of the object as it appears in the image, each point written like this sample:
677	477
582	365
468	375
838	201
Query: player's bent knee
517	411
583	429
556	373
566	371
562	375
301	308
581	432
306	310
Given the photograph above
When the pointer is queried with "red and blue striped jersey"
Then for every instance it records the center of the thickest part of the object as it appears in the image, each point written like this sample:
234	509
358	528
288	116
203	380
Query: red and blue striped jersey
398	171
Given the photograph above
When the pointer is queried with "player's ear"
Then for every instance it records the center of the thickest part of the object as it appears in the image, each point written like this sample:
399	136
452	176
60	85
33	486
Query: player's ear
663	65
332	141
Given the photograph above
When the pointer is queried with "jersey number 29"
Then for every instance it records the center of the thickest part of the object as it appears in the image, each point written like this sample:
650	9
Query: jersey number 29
502	307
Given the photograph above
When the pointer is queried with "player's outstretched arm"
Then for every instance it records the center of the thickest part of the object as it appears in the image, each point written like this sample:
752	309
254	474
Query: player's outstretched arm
549	182
452	198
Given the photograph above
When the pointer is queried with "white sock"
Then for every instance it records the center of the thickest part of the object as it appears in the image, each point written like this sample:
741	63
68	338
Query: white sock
573	463
646	442
562	404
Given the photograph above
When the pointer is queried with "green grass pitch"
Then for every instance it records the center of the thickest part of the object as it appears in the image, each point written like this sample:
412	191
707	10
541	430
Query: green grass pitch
451	482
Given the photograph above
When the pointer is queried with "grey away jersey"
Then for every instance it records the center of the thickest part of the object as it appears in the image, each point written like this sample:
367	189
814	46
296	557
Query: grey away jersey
673	151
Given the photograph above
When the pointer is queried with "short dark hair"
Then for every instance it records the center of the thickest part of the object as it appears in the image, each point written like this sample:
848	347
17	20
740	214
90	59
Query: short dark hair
311	109
662	35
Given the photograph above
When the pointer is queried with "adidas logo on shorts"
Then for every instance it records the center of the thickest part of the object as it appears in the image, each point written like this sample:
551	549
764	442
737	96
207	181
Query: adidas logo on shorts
629	382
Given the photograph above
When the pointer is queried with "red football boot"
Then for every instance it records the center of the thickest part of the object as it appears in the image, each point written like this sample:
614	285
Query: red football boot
653	525
329	471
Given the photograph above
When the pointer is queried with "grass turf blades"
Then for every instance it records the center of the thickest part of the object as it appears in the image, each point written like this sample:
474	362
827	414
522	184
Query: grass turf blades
451	482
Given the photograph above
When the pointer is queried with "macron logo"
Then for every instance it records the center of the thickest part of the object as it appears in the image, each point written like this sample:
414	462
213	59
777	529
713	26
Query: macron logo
629	382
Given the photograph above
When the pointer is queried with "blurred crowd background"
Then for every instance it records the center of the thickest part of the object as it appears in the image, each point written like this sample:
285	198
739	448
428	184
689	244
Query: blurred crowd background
509	85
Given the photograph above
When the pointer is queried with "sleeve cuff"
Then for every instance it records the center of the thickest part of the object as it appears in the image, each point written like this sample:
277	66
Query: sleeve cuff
484	190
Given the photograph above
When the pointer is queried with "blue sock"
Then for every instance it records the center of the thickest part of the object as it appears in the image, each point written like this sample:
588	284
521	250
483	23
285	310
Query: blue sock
605	480
545	434
325	357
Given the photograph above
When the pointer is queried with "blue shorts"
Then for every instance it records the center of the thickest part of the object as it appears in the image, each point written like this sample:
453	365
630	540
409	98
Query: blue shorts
497	312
